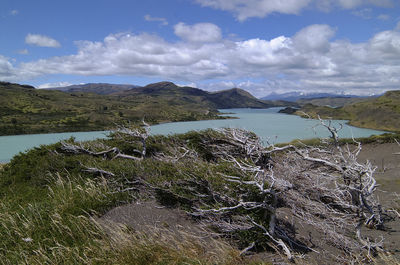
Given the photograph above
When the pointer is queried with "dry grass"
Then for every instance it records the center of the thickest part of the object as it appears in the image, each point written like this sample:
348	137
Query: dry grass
48	232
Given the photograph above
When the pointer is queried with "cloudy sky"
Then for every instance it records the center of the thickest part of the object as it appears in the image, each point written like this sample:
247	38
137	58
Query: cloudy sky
263	46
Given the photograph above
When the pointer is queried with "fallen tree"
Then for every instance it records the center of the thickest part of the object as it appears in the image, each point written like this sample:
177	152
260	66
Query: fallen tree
230	182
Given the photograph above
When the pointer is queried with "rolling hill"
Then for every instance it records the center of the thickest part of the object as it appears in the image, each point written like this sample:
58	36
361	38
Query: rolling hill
97	88
382	113
231	98
25	109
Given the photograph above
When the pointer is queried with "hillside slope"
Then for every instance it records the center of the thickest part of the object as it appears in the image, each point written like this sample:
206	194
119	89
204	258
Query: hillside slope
232	98
382	113
25	109
332	101
97	88
238	98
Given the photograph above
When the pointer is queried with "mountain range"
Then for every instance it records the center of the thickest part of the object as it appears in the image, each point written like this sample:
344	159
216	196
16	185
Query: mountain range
25	109
296	95
231	98
97	88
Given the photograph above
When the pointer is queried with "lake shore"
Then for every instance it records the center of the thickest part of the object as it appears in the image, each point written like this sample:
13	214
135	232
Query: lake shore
270	126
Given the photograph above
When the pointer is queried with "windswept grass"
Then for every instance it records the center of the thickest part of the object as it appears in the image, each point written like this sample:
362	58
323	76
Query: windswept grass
49	210
56	228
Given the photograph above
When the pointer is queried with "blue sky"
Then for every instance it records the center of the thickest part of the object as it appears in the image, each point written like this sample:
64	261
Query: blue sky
263	46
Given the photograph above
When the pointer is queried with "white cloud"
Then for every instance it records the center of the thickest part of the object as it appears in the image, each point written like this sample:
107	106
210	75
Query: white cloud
10	73
57	84
310	60
6	68
244	9
201	32
191	84
41	40
314	38
149	18
14	12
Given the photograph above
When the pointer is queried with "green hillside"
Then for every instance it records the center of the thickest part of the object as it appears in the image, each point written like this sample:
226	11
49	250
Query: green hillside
331	101
382	113
238	98
97	88
25	110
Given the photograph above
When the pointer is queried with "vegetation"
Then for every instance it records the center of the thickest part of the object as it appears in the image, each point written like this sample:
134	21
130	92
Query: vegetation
332	101
52	198
25	110
382	113
49	205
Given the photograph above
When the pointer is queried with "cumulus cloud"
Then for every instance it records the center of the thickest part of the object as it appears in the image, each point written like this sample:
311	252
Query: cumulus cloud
201	32
310	60
314	38
14	12
10	73
244	9
41	40
149	18
56	84
6	68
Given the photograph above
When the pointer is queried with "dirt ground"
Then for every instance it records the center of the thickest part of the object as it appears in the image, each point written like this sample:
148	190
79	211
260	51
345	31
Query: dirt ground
386	157
145	216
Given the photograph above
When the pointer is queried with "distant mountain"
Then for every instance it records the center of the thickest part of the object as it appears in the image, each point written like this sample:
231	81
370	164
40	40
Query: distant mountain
232	98
238	98
97	88
25	109
176	95
295	96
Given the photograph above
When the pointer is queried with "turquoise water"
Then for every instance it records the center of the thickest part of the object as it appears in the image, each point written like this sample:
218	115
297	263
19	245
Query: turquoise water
271	126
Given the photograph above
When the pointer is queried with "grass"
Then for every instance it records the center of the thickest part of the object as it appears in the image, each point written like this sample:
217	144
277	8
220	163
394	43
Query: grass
25	110
39	234
49	208
382	113
377	139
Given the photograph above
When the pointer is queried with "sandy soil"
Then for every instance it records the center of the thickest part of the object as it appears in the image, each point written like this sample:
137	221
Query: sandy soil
386	158
149	215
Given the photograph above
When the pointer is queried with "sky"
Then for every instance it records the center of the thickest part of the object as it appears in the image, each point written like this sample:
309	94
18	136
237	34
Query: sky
262	46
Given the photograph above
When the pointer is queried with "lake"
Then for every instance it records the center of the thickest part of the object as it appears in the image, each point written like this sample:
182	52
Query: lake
270	125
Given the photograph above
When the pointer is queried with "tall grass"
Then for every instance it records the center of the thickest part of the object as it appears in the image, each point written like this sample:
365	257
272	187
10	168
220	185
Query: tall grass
57	230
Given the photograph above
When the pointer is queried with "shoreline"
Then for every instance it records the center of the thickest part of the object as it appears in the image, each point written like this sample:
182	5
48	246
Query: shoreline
109	129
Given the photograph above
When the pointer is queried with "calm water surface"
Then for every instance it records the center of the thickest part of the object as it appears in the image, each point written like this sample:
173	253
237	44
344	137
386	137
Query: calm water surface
267	123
